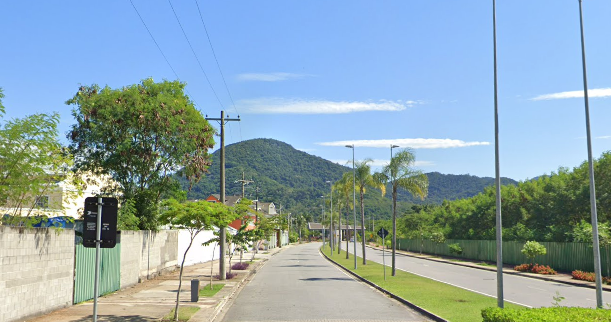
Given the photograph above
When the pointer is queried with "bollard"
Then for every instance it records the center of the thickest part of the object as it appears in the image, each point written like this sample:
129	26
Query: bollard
194	290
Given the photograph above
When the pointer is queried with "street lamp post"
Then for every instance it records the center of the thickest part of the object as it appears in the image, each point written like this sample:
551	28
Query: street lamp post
332	234
595	242
323	222
392	211
353	200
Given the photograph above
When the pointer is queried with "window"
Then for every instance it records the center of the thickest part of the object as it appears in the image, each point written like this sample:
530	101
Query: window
42	202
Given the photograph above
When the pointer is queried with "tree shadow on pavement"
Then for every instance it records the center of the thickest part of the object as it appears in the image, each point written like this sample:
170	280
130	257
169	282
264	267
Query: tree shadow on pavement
123	318
316	279
302	266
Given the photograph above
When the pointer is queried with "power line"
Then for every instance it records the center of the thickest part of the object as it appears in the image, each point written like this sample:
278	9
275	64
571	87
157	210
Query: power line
159	47
219	67
215	58
196	58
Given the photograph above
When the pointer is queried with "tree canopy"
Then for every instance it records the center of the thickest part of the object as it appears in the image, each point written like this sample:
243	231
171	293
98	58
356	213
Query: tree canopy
140	135
32	162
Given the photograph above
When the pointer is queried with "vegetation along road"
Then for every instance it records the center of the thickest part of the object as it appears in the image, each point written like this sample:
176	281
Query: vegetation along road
302	285
520	290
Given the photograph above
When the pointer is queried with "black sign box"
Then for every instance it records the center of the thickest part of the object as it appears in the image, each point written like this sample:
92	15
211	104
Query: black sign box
108	235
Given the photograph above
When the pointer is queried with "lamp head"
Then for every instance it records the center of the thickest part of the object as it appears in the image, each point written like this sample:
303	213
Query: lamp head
350	146
394	146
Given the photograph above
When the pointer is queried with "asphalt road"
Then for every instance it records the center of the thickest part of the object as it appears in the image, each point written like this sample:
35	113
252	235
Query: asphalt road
521	290
298	284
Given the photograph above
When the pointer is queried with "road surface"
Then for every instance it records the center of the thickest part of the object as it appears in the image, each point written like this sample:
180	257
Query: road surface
298	284
521	290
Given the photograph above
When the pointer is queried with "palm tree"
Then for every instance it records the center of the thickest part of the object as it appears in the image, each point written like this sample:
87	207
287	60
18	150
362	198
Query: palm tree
365	179
401	174
345	186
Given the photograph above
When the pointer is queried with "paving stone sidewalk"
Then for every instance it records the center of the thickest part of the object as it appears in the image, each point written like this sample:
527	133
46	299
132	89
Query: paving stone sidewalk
153	299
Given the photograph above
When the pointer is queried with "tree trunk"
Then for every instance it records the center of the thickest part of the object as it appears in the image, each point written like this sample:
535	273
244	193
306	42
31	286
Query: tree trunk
339	230
347	230
363	227
182	265
212	264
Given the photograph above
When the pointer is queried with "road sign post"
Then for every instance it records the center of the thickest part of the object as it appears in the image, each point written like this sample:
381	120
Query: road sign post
99	231
383	233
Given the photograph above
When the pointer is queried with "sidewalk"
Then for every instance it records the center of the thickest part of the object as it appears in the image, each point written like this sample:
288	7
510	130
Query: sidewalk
507	269
153	299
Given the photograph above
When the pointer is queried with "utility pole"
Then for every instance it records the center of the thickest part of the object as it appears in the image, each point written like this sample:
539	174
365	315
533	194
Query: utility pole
244	182
222	232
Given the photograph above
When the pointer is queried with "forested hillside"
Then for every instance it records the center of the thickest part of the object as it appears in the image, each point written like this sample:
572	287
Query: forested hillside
296	180
553	207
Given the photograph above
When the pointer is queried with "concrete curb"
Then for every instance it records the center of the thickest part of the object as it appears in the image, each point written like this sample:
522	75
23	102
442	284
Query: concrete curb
403	301
507	270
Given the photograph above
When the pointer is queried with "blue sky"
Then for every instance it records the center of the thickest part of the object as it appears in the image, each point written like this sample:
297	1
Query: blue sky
320	74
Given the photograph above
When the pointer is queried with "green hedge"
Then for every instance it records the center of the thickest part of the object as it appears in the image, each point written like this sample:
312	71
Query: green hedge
546	314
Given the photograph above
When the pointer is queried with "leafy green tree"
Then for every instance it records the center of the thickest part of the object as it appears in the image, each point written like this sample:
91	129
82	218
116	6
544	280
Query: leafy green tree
532	249
32	162
140	135
401	174
193	217
365	179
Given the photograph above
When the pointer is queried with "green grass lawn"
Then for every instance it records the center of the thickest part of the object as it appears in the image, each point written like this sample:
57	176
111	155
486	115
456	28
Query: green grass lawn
184	313
449	302
207	292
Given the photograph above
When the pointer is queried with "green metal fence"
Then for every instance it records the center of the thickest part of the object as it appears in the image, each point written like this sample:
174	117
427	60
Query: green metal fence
560	256
84	279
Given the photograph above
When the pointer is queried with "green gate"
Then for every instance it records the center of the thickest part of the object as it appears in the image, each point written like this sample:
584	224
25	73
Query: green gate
84	271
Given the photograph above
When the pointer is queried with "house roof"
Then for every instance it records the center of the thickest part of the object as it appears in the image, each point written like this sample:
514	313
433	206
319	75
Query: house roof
229	200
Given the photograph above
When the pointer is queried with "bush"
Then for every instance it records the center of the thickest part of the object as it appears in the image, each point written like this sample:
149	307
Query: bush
547	314
588	276
536	268
239	266
455	249
227	276
532	249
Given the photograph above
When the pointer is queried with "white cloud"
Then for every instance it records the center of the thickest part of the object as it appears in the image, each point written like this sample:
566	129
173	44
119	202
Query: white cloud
604	137
381	163
598	92
269	77
276	105
411	143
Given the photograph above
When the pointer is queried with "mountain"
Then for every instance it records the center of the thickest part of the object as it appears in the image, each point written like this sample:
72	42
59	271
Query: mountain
296	180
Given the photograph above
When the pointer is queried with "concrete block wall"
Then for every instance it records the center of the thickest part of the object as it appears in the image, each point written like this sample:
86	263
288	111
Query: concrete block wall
131	244
36	271
197	253
159	253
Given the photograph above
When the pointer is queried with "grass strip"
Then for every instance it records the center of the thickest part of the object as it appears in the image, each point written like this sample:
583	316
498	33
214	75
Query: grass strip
449	302
184	313
207	292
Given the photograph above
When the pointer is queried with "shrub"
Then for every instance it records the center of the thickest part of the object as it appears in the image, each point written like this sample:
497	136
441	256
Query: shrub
227	276
536	268
588	276
455	249
547	314
239	266
532	249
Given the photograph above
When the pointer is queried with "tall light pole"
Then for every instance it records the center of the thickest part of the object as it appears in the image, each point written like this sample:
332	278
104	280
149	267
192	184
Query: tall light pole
595	244
323	221
499	225
222	232
392	211
332	234
353	200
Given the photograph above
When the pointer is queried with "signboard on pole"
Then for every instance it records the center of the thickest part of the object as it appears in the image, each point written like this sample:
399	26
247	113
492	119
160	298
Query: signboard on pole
108	233
382	232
